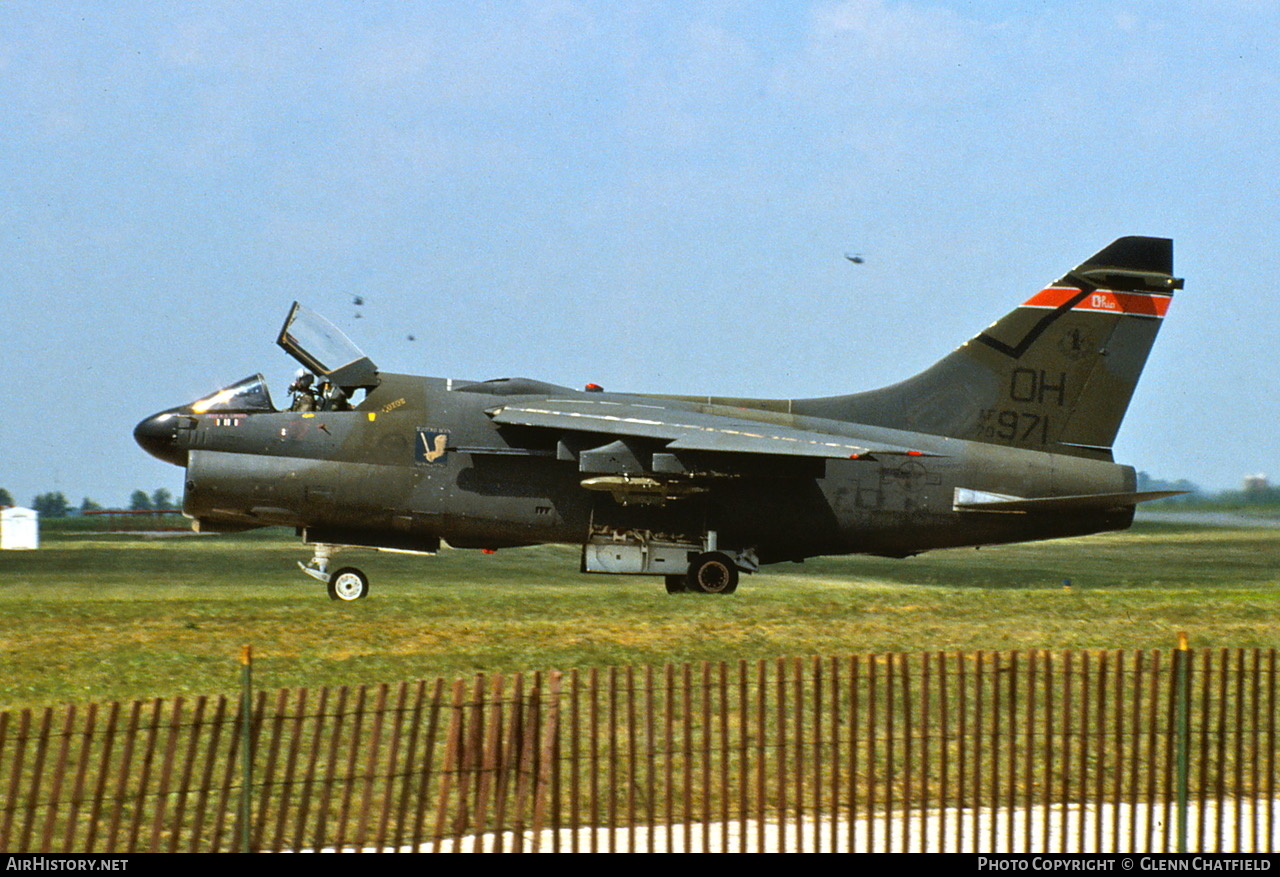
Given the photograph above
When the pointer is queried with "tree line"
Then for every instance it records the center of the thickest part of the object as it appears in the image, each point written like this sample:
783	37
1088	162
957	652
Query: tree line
56	505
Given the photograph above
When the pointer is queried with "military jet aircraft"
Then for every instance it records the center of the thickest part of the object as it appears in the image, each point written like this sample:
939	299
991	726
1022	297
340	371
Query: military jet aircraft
1006	439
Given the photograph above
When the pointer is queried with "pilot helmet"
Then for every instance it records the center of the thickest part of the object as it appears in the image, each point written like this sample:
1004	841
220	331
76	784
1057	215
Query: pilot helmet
302	379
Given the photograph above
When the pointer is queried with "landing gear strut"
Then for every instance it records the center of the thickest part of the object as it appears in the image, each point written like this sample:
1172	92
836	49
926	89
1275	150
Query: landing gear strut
345	584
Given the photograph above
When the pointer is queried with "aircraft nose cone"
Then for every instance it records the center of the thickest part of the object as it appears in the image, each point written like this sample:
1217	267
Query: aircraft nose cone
158	436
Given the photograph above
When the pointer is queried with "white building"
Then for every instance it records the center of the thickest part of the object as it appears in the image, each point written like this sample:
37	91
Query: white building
19	528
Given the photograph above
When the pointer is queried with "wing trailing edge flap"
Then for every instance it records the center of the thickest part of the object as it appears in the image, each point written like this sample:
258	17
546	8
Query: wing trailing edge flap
688	430
980	501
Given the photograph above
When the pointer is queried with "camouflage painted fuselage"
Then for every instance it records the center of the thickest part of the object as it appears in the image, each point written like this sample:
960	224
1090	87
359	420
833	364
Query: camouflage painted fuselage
372	476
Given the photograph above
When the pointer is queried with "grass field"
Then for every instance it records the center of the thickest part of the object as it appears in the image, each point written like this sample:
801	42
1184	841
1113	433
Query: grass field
95	616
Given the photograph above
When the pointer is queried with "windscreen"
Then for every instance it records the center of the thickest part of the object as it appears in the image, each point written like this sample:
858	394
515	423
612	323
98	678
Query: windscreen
246	395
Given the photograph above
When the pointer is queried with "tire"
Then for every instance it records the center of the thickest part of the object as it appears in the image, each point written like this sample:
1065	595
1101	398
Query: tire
677	584
713	573
348	584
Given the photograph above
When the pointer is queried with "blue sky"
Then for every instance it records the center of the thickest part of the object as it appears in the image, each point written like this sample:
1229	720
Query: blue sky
651	196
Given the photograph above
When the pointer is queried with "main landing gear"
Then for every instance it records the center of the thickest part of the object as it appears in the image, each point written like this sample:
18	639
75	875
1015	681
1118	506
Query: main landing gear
712	572
708	568
346	584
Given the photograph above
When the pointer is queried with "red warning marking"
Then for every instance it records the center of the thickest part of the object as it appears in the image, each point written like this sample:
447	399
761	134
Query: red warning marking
1142	304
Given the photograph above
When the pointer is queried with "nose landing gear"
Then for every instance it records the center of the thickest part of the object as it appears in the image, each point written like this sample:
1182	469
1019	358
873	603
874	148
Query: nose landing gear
346	584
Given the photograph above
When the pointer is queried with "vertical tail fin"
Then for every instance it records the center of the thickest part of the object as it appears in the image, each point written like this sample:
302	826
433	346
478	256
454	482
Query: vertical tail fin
1056	374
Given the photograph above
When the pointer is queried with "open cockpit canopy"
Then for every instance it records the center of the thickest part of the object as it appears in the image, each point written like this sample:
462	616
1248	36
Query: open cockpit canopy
322	348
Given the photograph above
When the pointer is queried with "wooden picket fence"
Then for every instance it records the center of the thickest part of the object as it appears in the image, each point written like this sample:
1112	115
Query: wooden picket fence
986	751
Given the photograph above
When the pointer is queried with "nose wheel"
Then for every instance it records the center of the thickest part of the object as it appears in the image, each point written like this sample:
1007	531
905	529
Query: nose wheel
348	584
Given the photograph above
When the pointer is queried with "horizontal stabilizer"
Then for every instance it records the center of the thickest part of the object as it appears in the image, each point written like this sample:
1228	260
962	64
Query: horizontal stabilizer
978	501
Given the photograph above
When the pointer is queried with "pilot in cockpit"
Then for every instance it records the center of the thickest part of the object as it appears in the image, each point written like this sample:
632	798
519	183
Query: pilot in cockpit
304	395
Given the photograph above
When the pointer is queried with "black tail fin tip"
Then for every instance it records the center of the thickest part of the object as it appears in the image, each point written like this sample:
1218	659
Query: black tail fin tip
1128	264
1134	254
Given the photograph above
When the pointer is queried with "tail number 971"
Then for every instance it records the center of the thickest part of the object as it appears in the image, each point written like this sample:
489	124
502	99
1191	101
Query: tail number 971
1012	425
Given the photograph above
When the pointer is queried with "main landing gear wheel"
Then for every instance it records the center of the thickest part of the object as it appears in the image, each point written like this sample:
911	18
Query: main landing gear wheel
348	584
712	573
677	584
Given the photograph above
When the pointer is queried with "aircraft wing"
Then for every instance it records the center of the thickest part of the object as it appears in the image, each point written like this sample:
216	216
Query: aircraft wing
687	430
